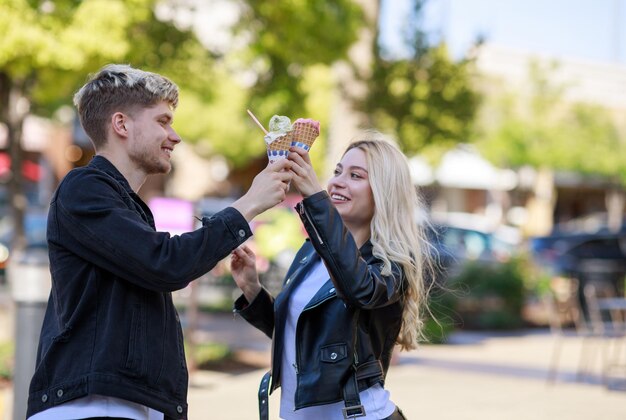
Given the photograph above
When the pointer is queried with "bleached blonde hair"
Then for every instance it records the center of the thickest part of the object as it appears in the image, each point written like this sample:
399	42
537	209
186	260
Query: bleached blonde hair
395	235
119	87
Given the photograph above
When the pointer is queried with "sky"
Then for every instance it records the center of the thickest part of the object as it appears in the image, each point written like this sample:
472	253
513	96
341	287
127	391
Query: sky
590	30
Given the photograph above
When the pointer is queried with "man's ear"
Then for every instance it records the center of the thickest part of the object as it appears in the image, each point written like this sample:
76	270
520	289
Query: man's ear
119	122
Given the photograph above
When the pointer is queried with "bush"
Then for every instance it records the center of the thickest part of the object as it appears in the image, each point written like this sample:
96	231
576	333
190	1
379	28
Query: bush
207	354
440	318
6	360
490	296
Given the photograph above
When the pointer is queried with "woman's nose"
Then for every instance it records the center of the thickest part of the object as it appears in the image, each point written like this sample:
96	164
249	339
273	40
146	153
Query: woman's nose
337	181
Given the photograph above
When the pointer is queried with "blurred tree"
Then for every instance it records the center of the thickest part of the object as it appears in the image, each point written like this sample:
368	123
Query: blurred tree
280	64
539	128
286	38
46	44
426	99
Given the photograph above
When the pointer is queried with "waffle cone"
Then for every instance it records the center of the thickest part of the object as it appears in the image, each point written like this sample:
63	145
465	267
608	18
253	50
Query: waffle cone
279	148
304	134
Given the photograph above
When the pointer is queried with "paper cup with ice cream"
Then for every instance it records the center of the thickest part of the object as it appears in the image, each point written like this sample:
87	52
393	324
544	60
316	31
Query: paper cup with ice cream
283	135
277	139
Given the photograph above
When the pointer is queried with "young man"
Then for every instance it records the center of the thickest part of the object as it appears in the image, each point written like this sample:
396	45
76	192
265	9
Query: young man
111	344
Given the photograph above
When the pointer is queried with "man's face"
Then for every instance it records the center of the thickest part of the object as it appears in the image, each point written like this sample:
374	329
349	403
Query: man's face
153	139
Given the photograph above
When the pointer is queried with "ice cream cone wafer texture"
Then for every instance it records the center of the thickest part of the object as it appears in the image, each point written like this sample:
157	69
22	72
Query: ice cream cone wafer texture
283	135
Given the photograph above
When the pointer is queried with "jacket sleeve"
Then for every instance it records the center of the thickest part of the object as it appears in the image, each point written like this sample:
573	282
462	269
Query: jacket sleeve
94	221
259	313
358	283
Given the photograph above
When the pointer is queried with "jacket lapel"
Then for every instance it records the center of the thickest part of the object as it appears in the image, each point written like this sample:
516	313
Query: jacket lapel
326	292
296	277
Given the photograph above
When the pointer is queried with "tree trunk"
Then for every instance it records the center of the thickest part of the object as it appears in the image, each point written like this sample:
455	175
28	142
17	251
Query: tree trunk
615	208
541	205
351	75
14	108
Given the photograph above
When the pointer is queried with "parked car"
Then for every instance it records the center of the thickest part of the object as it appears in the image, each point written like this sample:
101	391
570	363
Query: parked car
563	253
35	221
598	258
454	246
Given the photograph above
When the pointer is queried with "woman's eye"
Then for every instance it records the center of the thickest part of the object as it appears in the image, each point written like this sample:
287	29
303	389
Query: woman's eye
336	172
355	175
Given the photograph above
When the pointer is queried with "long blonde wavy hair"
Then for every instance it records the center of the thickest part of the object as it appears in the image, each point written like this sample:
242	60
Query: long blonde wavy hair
395	234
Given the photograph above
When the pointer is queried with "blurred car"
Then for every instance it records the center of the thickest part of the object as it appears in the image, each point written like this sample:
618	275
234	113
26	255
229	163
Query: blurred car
35	222
587	256
454	246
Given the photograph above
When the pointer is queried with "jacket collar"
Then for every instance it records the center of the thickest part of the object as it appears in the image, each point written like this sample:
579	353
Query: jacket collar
366	250
103	164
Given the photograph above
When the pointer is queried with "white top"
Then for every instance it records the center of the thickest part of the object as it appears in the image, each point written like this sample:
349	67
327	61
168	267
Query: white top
98	406
375	399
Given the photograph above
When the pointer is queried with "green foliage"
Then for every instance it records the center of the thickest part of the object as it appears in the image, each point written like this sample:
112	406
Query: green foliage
54	45
50	51
288	36
279	229
220	126
489	296
207	353
539	128
6	360
426	101
440	317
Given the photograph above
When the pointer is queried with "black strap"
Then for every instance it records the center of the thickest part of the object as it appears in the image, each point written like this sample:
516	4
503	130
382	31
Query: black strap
264	392
363	375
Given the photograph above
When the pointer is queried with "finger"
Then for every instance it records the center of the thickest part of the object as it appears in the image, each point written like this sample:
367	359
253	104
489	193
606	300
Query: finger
245	250
285	176
303	153
239	252
296	158
279	165
298	170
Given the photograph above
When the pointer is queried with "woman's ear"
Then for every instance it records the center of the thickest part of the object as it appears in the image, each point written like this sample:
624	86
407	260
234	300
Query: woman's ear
118	122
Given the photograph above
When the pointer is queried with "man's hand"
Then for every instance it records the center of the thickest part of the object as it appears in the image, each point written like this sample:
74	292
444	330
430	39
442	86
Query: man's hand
268	188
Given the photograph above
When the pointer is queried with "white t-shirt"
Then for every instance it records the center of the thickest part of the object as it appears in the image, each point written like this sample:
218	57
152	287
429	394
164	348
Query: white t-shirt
98	406
375	399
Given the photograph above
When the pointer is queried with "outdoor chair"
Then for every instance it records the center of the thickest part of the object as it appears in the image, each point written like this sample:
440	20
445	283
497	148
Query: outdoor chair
564	312
608	329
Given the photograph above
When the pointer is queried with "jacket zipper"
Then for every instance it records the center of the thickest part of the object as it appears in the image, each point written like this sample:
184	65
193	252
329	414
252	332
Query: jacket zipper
295	365
306	214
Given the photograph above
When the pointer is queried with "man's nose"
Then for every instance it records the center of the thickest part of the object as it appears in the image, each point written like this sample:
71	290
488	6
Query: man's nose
173	136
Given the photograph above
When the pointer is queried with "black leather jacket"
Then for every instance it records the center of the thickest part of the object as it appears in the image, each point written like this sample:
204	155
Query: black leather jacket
353	319
110	326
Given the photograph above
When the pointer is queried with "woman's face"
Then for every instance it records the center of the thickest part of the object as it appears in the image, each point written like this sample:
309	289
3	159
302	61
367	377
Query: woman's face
350	190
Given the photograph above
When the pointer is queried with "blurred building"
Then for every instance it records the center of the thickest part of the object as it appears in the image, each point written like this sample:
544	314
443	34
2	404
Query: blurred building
566	196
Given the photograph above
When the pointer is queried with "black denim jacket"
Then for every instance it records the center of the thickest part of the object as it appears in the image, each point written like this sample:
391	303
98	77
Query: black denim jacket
110	327
352	321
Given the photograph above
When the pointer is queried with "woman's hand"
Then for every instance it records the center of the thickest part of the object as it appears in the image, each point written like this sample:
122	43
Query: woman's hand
304	177
243	269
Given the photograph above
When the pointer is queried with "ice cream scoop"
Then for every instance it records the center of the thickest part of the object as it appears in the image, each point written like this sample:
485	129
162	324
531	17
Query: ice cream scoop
276	139
283	135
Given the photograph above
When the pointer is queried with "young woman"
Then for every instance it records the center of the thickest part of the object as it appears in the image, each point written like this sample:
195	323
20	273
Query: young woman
354	290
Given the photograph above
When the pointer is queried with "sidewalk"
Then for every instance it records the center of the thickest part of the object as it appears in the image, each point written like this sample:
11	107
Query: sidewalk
479	376
486	377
